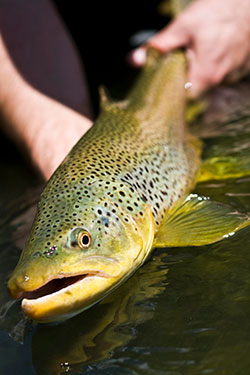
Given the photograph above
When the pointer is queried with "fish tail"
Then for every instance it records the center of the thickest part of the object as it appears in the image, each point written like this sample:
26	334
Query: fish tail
159	91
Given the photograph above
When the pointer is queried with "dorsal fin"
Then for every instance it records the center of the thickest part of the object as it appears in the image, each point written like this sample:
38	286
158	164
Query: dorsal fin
104	97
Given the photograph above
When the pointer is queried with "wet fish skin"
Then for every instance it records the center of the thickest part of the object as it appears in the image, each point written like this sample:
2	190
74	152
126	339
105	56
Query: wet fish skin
116	184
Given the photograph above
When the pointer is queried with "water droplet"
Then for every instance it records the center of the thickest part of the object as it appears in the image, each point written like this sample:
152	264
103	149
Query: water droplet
188	85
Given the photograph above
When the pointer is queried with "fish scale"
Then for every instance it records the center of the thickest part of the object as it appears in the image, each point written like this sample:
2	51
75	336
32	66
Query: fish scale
160	176
121	148
116	186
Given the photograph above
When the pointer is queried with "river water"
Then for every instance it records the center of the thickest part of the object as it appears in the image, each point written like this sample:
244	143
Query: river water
186	311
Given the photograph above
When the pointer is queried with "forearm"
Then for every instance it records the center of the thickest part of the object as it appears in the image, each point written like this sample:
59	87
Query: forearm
44	128
13	91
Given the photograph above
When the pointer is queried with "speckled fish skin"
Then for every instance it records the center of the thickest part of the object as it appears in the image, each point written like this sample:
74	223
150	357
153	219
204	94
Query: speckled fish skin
117	184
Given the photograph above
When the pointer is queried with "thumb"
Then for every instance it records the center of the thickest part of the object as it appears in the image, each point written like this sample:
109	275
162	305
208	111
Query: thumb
173	36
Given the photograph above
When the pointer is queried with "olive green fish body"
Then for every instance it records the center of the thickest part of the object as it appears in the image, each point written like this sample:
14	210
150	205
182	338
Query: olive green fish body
112	191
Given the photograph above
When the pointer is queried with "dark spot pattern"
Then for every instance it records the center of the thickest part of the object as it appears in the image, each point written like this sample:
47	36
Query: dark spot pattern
113	172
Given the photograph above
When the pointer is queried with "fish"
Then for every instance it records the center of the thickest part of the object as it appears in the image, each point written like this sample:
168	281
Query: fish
124	189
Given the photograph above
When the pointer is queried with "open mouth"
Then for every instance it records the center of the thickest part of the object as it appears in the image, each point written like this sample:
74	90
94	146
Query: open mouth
58	284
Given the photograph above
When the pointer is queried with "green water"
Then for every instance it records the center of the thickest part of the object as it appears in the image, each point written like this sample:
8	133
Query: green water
186	311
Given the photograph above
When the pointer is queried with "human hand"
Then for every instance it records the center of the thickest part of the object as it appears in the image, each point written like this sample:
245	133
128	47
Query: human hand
216	35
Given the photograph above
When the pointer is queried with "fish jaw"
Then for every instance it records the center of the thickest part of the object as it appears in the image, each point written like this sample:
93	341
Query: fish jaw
69	301
58	297
33	274
90	288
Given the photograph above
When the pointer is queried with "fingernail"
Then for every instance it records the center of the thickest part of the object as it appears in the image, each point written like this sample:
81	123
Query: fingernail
139	56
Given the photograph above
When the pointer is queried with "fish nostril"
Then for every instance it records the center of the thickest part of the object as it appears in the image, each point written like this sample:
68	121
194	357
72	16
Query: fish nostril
16	285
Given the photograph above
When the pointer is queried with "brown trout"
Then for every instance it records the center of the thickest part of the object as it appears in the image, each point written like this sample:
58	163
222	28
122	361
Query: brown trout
123	190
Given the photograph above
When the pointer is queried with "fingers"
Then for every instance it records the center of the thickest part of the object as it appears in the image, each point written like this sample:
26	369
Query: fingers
173	36
202	74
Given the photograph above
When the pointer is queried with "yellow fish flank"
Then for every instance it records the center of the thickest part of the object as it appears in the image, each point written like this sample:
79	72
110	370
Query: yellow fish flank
121	191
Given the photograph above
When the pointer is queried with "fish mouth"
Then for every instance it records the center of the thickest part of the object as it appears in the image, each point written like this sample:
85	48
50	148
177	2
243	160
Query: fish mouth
67	292
63	297
57	284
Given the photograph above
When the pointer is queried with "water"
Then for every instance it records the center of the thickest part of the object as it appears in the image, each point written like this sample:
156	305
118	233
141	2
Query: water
186	311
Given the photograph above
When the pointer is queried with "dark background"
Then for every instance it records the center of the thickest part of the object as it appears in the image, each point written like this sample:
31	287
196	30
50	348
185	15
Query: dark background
101	31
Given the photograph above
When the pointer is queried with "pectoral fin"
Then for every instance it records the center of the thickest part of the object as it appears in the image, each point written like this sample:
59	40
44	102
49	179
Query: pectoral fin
198	221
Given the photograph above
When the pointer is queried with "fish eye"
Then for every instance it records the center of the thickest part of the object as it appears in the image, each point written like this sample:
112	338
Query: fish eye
84	240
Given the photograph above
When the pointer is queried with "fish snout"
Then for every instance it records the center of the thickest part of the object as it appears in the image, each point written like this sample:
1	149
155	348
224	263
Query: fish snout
17	284
22	281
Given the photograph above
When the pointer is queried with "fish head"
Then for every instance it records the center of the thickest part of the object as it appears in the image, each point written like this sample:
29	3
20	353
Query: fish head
81	247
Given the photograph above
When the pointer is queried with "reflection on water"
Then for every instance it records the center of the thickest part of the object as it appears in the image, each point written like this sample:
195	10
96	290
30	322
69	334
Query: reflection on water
92	336
184	312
